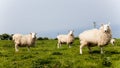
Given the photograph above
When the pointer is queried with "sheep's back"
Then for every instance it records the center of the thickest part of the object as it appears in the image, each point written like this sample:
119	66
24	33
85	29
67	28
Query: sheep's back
62	38
17	38
90	36
27	40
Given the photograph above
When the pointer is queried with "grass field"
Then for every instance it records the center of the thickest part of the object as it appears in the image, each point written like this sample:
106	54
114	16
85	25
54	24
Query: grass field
47	55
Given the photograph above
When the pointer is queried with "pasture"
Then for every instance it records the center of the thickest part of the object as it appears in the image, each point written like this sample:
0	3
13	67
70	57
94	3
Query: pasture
47	55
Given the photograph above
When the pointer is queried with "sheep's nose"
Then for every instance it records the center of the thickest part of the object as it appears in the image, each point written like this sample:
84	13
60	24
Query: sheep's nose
105	30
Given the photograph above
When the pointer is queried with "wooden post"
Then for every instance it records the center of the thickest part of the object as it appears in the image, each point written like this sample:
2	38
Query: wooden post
94	23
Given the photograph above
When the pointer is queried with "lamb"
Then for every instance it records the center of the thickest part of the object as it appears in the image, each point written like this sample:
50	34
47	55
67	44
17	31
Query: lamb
95	37
66	39
112	41
24	40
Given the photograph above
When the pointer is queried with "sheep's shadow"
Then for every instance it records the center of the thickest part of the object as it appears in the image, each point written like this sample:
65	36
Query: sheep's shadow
112	52
57	53
106	52
95	52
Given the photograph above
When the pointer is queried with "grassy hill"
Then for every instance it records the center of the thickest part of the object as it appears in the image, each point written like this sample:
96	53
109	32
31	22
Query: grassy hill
47	55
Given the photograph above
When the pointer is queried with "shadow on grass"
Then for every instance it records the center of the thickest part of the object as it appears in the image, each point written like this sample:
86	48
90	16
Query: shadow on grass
95	52
56	53
106	52
112	52
63	48
40	63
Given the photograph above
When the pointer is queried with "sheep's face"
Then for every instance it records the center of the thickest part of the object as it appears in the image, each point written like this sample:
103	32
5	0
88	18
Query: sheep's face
105	27
33	35
71	32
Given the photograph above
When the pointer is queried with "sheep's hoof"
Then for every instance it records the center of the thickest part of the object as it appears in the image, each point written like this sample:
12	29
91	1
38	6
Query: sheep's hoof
102	52
16	51
80	53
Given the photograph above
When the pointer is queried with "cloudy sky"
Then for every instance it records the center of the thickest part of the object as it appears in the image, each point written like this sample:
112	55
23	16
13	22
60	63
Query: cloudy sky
50	17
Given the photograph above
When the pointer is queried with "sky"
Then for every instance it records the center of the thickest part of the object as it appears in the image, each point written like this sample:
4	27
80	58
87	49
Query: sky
48	18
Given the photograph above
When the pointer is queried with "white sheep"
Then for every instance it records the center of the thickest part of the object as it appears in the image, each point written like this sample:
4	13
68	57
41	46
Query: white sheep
24	40
66	39
95	37
112	41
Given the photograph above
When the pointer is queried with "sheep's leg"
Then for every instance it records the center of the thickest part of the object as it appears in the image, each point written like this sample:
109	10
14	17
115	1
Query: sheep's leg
101	48
69	46
83	43
16	48
81	46
89	49
28	48
58	45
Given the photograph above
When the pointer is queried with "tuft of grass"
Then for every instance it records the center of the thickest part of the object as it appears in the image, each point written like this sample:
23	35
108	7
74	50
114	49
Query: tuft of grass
107	62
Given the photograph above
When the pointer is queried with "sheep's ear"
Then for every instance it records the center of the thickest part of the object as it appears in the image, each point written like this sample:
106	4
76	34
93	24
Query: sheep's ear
73	30
102	24
30	33
108	23
68	30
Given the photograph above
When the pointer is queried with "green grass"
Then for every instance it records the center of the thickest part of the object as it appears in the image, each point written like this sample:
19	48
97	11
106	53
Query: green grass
46	55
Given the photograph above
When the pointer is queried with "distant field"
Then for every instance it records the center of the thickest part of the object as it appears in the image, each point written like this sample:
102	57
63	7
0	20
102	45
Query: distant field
47	55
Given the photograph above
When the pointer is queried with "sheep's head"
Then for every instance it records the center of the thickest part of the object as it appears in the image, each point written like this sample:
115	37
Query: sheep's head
112	41
105	28
33	35
71	32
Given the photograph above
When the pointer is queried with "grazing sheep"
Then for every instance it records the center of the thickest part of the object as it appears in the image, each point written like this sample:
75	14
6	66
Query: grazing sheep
112	41
24	40
95	37
68	39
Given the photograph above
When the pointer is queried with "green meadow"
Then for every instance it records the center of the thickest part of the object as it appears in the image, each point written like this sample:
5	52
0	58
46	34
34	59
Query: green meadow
46	55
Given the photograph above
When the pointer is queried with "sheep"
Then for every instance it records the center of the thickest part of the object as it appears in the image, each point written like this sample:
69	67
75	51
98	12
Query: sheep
95	37
112	41
24	40
65	39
